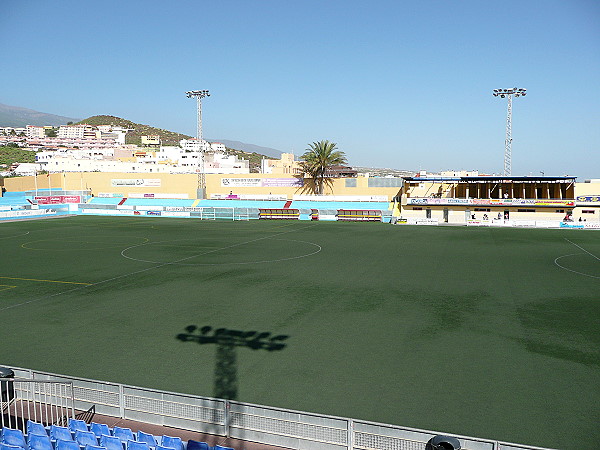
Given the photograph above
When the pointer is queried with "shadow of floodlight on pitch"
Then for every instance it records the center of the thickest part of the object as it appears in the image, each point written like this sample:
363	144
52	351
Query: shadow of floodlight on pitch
226	341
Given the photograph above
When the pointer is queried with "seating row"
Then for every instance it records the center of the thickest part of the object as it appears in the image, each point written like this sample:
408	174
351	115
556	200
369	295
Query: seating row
78	436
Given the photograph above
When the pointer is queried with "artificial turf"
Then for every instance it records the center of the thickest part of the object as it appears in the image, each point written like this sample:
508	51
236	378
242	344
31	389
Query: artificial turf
474	331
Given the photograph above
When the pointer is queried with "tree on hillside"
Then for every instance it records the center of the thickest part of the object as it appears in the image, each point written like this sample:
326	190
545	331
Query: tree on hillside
318	158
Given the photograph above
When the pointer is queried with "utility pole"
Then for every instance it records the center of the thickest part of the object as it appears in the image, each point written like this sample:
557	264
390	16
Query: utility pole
199	95
502	93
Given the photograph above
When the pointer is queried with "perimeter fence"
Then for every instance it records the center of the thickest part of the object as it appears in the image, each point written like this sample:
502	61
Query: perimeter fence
42	401
256	423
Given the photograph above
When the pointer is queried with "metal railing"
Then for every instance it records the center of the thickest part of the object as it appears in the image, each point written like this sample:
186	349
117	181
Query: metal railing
47	402
256	423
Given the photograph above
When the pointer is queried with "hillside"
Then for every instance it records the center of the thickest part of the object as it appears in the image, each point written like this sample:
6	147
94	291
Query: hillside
139	130
168	137
10	154
16	116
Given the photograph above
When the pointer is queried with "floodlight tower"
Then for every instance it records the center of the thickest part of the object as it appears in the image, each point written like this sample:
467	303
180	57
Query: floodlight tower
508	142
199	95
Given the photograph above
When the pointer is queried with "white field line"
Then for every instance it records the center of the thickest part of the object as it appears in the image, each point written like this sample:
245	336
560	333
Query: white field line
16	235
216	249
571	270
581	248
35	300
574	254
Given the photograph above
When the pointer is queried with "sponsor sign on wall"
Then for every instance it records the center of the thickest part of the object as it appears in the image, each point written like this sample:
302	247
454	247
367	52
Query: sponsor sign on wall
135	182
157	195
588	200
57	199
111	194
240	182
283	182
25	213
265	182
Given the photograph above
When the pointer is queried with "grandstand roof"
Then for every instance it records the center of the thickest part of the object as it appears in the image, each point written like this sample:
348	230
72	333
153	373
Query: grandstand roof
493	178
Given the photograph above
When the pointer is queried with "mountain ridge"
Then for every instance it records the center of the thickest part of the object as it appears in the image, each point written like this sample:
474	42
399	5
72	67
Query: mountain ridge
17	116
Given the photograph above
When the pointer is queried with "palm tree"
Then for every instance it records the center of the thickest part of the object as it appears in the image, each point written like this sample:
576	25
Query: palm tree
319	157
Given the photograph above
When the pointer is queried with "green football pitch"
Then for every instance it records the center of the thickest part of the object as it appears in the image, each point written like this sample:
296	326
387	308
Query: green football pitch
484	332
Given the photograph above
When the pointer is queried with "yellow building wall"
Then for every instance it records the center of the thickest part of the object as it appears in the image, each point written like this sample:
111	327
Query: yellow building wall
20	184
591	188
101	182
337	186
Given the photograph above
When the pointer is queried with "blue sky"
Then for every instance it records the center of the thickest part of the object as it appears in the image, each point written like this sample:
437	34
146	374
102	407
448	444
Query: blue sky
396	84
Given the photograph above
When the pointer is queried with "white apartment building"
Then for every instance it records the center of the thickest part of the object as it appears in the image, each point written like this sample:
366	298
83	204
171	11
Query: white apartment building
115	133
15	130
34	132
78	132
125	159
218	147
80	143
191	145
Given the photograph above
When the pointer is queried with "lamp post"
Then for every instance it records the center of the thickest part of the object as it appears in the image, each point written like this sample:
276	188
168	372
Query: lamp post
199	95
508	93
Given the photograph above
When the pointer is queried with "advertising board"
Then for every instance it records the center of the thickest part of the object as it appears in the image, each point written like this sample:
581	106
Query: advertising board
135	182
258	182
57	199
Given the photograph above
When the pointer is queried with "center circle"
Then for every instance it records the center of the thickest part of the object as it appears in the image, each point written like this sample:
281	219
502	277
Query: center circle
216	252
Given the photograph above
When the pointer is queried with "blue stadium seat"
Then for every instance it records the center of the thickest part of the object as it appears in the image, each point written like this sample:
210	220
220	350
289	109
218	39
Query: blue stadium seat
94	447
4	446
11	436
66	445
197	445
125	434
58	433
133	445
171	442
99	429
160	447
39	442
86	438
111	442
36	428
147	438
77	425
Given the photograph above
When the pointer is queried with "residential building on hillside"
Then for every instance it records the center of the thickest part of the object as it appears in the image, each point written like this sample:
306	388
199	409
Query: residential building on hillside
151	141
133	159
13	130
116	133
34	132
80	143
78	132
191	145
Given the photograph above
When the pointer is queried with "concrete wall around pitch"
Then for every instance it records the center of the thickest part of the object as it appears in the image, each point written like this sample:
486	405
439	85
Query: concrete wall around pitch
104	182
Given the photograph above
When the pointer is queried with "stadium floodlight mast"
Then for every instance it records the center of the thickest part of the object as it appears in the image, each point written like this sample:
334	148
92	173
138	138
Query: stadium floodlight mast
199	95
508	93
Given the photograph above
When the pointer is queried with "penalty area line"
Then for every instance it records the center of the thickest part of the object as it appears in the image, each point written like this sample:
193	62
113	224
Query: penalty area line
581	248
